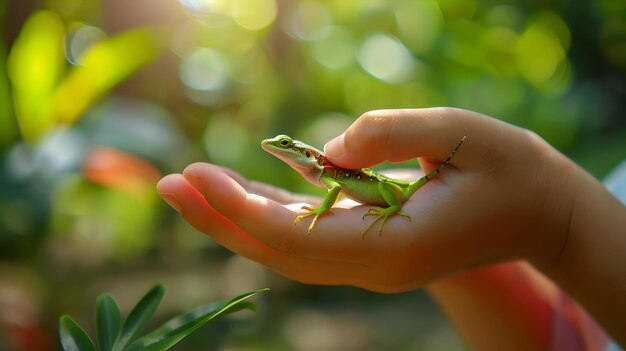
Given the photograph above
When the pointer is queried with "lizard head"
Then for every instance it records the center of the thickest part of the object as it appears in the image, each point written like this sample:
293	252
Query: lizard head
280	142
303	158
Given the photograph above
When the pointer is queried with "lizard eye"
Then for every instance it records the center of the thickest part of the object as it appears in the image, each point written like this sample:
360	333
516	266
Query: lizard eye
284	142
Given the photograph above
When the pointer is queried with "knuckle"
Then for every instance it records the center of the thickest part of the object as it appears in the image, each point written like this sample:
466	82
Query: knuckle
373	128
375	118
445	110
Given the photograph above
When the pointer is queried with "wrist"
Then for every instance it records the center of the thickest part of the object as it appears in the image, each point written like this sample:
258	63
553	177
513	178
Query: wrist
591	265
555	181
502	306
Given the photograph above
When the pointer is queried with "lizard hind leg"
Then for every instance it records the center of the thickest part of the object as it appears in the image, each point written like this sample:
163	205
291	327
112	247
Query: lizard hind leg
383	214
316	212
392	194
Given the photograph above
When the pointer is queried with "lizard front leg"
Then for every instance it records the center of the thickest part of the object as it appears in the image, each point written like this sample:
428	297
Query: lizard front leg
327	203
393	197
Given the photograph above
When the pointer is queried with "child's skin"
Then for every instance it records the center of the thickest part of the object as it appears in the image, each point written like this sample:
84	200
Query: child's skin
507	196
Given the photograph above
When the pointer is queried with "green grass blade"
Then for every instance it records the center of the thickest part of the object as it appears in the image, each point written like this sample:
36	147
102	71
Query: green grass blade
108	322
73	337
179	327
139	317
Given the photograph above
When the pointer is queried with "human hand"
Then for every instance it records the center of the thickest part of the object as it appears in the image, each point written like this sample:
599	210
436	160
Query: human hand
259	222
493	203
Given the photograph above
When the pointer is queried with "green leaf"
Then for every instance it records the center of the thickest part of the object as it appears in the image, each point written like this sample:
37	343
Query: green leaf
35	65
73	337
107	322
139	317
104	65
179	327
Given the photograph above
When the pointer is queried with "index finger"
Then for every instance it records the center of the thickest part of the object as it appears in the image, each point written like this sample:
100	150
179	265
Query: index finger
402	134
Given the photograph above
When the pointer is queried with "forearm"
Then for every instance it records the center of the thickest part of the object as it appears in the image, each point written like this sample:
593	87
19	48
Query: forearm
511	306
592	265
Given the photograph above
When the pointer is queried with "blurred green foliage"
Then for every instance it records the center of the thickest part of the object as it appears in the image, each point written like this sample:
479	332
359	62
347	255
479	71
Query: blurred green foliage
116	334
45	97
100	98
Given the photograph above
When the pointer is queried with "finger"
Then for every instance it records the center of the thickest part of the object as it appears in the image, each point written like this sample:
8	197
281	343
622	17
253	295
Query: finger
335	237
177	191
407	174
398	135
279	195
271	192
181	195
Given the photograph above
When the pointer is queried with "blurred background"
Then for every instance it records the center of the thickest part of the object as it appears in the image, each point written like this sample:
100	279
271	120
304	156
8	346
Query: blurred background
99	99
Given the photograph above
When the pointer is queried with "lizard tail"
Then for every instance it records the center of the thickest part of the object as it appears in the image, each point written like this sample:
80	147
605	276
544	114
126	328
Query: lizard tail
418	183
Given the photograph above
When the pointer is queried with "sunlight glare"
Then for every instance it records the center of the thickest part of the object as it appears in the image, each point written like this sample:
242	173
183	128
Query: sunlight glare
309	20
336	49
79	40
204	69
386	58
253	15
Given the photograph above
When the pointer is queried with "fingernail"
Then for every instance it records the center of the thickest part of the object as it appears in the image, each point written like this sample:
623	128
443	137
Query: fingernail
335	148
172	201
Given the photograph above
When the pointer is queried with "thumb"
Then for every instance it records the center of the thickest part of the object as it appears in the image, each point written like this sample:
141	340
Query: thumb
398	135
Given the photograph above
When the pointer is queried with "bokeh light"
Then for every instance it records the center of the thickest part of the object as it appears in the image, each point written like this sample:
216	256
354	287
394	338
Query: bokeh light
540	51
226	142
505	16
386	58
79	39
335	49
204	69
419	24
253	15
308	20
200	6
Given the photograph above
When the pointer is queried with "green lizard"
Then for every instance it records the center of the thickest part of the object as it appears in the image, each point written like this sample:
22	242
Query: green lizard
362	185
